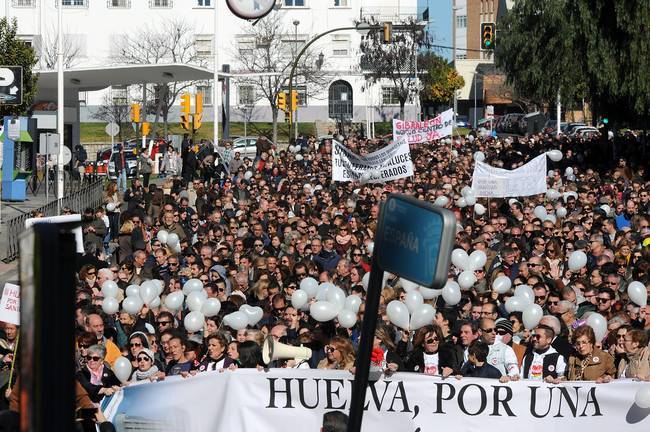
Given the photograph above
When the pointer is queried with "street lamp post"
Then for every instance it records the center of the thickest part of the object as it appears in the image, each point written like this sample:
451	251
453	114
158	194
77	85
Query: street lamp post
61	108
215	85
294	119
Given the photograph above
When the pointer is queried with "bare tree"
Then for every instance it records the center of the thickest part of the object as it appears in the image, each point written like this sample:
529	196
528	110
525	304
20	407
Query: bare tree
72	50
114	111
393	62
171	42
269	46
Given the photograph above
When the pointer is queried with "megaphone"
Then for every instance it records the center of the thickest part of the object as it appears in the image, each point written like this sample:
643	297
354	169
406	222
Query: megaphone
272	350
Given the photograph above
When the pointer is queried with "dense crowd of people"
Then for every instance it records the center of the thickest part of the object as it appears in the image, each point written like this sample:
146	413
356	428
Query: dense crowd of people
252	230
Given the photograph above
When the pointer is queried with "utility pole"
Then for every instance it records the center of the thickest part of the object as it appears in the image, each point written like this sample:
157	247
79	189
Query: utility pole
296	23
559	111
61	109
215	85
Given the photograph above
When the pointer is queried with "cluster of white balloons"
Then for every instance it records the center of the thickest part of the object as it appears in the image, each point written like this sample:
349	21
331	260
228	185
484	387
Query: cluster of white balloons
468	264
295	148
524	301
331	302
542	214
196	301
136	297
170	239
246	316
441	201
467	199
413	313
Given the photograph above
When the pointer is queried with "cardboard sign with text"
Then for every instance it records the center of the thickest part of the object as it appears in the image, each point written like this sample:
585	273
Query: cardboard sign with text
10	304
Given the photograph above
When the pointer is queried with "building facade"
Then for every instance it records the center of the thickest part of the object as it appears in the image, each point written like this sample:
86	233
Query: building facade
95	29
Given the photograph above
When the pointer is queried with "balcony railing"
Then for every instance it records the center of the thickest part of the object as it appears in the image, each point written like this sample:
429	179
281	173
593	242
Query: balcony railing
72	3
394	14
118	4
23	3
161	3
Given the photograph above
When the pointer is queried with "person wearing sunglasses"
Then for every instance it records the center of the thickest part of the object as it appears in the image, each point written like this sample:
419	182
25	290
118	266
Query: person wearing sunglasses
543	362
431	355
96	377
589	363
137	341
146	368
501	356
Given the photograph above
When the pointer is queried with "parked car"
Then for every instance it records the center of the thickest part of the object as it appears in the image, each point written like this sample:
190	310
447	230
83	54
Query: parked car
572	127
462	121
584	131
106	167
551	126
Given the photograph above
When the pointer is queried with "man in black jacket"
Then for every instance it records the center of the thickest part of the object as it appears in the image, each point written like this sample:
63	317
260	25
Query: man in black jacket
543	362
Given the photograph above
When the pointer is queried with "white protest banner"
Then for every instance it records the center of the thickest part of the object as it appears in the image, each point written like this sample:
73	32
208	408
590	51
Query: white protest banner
491	182
415	132
389	163
10	304
78	233
251	400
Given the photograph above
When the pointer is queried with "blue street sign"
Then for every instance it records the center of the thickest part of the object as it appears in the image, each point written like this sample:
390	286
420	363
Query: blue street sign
415	240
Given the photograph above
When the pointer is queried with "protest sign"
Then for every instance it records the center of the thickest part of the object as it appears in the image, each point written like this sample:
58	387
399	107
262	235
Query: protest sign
491	182
250	400
415	132
78	233
389	163
10	304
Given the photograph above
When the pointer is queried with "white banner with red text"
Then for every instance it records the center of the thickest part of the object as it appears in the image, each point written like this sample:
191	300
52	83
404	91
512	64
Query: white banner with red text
415	132
290	399
389	163
528	179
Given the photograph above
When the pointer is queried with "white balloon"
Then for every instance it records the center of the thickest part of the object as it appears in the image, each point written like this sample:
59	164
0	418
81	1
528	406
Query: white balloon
353	303
365	177
310	286
194	301
110	289
552	194
194	321
525	293
155	303
531	315
211	307
236	320
192	285
577	260
470	138
479	209
110	207
336	296
132	305
479	156
323	289
174	300
398	314
461	202
441	201
554	155
466	279
451	293
110	305
347	318
122	369
642	396
428	293
550	218
323	311
466	190
160	286
540	212
422	315
454	153
299	157
365	280
460	258
408	285
566	195
550	173
571	177
502	284
253	313
477	260
299	298
598	323
515	304
173	239
470	200
413	299
637	292
561	212
163	236
177	248
248	175
133	291
568	171
148	292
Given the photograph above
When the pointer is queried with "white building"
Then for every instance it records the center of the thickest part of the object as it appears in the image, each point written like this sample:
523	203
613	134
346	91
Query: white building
95	27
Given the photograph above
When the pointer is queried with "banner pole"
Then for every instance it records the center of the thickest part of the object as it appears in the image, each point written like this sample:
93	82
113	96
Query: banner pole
13	361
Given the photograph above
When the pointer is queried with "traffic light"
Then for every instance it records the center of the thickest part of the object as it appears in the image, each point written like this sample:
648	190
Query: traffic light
294	100
488	31
185	103
135	113
282	101
185	121
196	121
145	128
198	103
388	32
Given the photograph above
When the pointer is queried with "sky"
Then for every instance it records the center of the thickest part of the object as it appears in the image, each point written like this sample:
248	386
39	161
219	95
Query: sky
439	27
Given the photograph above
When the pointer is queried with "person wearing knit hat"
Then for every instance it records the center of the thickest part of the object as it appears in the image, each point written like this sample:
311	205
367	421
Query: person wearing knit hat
146	368
503	328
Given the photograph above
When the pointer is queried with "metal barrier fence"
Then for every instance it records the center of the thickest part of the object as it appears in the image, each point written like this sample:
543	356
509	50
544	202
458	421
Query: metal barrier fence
77	200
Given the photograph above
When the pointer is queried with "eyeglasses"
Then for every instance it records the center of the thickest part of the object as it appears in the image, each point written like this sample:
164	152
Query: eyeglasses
487	330
620	336
581	342
356	254
173	263
502	332
330	349
553	303
135	344
540	297
513	322
91	273
163	322
611	283
603	300
258	245
84	346
93	358
143	359
432	340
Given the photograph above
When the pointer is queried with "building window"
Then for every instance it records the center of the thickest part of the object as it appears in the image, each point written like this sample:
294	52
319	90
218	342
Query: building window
23	3
461	21
74	3
120	95
206	89
341	3
460	56
161	3
122	4
83	98
246	47
246	95
340	45
292	45
29	40
204	3
389	96
203	45
294	3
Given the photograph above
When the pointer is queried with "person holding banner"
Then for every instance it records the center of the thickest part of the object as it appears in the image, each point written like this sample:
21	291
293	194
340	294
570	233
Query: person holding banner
589	363
96	377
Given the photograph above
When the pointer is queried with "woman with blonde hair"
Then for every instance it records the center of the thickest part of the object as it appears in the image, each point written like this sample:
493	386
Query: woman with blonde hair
125	248
339	354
